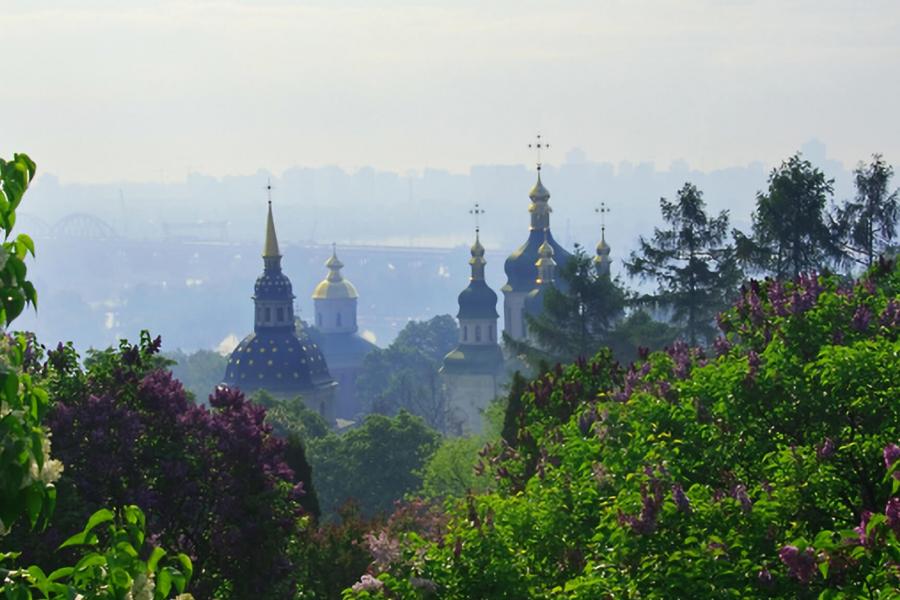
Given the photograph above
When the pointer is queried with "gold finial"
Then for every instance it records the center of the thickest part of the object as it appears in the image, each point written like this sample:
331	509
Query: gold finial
537	145
545	263
270	249
334	286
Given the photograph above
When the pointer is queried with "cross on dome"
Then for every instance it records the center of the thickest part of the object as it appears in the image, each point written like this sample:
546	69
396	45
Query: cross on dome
538	145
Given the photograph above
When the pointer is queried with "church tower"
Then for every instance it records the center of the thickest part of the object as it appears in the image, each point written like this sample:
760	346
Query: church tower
335	301
273	358
472	372
521	272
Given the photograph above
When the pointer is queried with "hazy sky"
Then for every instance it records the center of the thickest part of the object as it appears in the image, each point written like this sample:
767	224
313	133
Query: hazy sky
115	90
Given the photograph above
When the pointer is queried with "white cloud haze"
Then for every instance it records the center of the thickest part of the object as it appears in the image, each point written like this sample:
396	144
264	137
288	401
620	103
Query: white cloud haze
107	91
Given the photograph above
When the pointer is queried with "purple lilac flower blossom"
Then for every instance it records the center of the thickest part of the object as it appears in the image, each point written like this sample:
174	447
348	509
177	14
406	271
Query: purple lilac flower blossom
681	499
801	565
367	583
892	512
825	450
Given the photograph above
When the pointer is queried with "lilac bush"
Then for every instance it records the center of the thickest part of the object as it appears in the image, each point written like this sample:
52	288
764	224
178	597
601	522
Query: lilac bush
770	469
213	482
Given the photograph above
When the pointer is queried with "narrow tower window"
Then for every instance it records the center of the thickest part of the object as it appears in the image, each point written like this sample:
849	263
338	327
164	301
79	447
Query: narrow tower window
339	319
478	333
279	312
465	333
268	314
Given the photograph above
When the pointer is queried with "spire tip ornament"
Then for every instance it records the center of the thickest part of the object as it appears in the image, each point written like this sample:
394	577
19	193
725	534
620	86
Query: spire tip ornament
537	145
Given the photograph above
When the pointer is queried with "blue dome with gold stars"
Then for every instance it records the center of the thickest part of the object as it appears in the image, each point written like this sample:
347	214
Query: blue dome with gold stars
275	357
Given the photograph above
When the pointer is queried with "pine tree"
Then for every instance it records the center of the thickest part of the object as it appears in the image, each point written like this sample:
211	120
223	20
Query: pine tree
867	224
695	269
577	318
790	233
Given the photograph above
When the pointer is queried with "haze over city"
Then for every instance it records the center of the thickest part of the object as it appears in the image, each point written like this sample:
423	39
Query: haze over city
111	91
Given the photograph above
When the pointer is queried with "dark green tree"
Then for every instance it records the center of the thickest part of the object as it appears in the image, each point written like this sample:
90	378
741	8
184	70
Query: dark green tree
578	316
790	231
514	412
694	267
640	331
404	376
199	372
433	338
867	224
374	464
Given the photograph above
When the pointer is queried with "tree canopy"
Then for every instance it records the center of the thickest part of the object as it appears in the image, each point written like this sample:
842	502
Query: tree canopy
867	224
790	230
692	263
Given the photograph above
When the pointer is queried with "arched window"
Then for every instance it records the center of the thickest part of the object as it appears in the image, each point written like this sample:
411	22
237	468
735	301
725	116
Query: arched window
268	314
478	333
339	319
279	312
491	332
465	333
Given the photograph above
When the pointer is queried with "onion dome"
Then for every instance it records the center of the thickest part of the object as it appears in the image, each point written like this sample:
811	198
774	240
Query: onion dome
538	192
477	301
334	286
601	261
278	362
520	269
546	269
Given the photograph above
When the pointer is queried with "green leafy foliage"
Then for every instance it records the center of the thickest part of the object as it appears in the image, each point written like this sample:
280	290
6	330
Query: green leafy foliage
116	563
15	290
450	472
199	372
766	468
404	376
375	464
867	224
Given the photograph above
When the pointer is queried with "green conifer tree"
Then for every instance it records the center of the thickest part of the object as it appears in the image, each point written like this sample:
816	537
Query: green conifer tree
790	233
694	267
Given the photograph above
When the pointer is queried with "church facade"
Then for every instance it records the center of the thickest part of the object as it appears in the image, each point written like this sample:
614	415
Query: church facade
335	302
472	373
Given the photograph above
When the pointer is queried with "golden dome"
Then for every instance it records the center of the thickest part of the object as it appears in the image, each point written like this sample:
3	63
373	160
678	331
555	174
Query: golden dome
477	248
539	193
602	247
545	250
334	286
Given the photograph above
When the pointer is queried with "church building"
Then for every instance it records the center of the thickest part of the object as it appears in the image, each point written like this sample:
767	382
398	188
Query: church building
336	331
472	372
274	357
521	266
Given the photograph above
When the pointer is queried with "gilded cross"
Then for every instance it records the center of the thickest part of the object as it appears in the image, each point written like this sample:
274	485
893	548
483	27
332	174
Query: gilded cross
476	211
537	145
